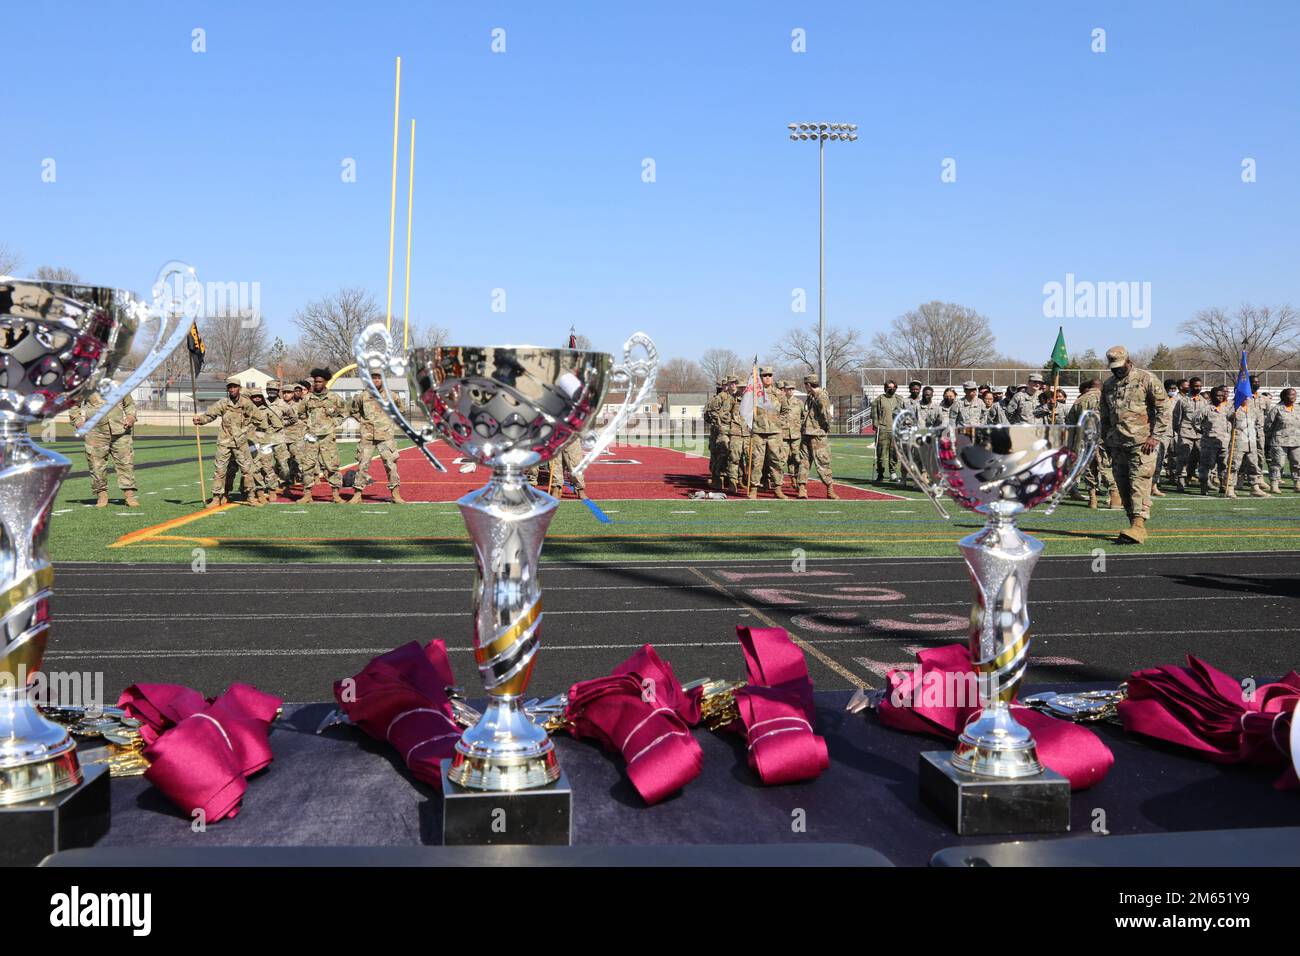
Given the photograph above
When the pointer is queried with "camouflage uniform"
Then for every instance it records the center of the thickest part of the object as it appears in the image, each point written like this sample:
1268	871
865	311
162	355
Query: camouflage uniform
1283	428
1248	449
814	447
232	442
883	409
736	432
1020	408
1096	477
1133	409
266	423
376	437
111	440
791	427
569	457
1216	432
295	431
717	443
768	446
279	440
1188	412
323	413
968	412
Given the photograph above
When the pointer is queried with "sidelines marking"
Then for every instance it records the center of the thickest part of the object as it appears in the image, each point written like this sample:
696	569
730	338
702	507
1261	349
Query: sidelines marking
595	510
830	662
142	533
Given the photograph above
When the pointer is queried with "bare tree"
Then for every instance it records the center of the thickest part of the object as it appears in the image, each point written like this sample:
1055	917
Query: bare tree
428	336
9	260
682	375
937	335
330	324
1270	336
719	363
56	274
234	341
800	347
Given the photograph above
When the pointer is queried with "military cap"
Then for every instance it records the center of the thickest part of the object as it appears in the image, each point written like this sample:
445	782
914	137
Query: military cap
766	370
273	384
234	380
969	386
915	381
1116	356
1036	378
810	379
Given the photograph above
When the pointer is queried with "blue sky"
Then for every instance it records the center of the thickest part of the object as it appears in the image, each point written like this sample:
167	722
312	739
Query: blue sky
1115	166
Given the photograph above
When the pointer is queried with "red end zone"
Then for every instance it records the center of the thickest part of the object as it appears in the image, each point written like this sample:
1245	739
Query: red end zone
623	472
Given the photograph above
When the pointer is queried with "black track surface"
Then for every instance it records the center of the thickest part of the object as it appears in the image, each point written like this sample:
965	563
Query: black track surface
294	629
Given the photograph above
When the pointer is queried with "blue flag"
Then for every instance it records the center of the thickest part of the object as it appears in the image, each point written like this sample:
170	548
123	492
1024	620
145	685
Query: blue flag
1243	393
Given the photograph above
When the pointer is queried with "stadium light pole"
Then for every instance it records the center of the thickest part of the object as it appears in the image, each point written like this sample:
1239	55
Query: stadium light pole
820	133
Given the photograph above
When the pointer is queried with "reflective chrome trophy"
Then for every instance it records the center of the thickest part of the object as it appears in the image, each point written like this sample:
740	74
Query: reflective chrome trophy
994	782
58	342
509	407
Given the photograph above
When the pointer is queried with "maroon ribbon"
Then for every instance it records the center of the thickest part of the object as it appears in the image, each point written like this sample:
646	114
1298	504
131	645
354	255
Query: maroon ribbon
1071	750
1205	710
777	713
641	711
201	752
401	697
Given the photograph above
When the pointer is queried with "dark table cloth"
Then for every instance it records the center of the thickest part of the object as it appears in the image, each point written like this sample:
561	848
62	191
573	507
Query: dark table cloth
343	789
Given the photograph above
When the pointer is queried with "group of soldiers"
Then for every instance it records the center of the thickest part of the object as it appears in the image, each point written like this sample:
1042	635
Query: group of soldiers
774	436
283	435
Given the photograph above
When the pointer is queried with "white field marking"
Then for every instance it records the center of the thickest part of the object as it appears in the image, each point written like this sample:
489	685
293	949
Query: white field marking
62	511
374	512
88	592
1178	509
757	512
678	512
301	512
830	512
907	512
151	492
168	488
129	514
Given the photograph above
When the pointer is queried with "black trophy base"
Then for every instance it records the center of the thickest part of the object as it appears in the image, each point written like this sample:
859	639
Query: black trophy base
985	805
542	816
32	830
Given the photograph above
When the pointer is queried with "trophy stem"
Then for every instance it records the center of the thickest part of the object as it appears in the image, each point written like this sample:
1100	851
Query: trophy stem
507	521
1000	557
37	757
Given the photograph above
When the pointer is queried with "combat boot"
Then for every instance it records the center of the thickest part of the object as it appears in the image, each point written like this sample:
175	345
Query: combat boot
753	492
1180	486
337	498
216	502
1136	532
802	492
1257	491
1092	499
255	500
131	500
306	498
581	493
1230	493
1276	487
397	497
830	492
780	493
102	500
1115	500
356	497
1155	491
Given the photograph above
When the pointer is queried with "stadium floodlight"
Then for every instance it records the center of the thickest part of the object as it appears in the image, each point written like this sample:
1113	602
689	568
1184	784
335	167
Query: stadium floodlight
820	133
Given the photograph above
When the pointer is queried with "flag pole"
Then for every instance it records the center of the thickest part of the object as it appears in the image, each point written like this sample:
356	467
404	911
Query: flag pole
1056	384
392	205
198	441
1232	444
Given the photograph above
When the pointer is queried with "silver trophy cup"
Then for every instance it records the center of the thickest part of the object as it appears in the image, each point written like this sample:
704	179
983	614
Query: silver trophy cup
509	407
999	471
58	342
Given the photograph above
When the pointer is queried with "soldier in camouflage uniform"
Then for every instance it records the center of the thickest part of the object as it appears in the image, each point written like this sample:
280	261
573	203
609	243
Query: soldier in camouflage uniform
1248	449
265	423
1189	409
767	444
717	444
279	440
111	440
295	432
323	413
969	411
736	432
1216	432
567	460
941	414
235	413
912	400
1283	428
1097	475
376	437
791	432
814	446
883	409
1020	406
995	412
1136	415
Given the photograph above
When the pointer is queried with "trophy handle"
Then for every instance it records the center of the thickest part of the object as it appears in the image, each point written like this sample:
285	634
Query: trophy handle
373	349
909	436
163	346
624	372
1089	428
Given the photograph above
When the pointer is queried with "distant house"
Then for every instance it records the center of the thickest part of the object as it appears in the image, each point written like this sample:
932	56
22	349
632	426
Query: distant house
685	404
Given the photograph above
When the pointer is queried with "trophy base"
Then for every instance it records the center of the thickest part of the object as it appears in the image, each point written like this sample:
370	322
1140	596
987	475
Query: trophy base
495	774
540	816
974	805
72	818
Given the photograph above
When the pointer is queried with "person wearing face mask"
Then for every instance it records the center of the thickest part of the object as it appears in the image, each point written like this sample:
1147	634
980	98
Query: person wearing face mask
1164	451
883	410
1247	450
936	415
1283	428
1216	431
1136	415
1189	411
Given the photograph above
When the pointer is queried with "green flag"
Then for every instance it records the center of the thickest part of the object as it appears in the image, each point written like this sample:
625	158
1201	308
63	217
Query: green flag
1060	359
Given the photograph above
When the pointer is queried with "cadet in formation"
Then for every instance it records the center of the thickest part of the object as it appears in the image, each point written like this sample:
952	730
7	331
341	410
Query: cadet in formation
278	400
322	413
717	446
1189	410
1136	415
265	423
376	437
235	413
766	442
883	409
1283	429
791	431
110	440
1097	476
814	445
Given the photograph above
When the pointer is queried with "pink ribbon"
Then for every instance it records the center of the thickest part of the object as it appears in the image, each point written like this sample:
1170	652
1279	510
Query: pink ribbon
1207	711
641	711
1071	750
777	713
201	752
401	697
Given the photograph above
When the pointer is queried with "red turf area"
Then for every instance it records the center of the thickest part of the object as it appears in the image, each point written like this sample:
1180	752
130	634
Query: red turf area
626	471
